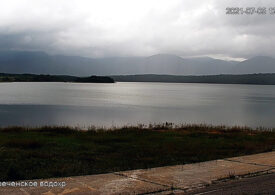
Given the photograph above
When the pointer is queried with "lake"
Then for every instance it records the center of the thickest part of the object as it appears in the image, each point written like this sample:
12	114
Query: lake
83	105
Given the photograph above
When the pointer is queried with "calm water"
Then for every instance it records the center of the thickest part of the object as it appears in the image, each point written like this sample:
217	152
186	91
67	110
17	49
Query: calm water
33	104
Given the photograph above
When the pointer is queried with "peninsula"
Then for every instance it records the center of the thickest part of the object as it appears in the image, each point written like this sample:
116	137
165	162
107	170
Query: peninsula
53	78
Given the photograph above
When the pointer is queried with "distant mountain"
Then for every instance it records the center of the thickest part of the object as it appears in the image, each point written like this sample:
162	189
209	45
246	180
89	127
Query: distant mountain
259	64
42	63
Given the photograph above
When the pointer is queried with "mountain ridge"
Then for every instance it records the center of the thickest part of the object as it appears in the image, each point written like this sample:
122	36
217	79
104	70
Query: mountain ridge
39	62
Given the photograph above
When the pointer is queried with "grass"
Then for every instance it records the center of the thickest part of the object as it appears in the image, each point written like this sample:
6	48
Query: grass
29	153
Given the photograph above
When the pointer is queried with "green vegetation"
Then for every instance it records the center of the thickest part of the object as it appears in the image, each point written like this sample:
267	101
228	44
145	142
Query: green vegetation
257	79
28	153
53	78
260	79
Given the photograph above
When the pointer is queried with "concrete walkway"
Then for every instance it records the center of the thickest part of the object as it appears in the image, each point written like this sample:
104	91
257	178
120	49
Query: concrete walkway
162	180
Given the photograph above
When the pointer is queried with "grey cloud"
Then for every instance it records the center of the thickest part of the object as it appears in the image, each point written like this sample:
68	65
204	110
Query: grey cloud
104	28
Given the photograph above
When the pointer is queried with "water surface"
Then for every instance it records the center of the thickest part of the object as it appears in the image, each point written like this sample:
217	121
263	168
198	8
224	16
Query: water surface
79	104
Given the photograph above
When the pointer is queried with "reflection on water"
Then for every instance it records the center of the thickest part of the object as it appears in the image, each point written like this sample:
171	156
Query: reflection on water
76	104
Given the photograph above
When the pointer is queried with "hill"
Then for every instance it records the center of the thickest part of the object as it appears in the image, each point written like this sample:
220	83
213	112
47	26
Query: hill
260	79
53	78
19	62
258	64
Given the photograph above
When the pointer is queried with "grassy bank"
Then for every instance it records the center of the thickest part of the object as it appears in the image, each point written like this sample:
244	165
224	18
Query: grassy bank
60	151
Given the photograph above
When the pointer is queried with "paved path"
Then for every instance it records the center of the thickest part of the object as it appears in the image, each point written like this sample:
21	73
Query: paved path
163	180
262	184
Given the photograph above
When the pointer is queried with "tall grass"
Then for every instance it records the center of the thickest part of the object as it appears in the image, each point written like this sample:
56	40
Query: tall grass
43	152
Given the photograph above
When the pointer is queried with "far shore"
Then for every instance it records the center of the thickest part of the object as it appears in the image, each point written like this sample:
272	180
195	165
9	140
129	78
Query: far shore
248	79
4	77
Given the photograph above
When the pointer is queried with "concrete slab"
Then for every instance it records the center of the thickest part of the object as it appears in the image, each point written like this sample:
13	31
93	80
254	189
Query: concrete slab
264	159
12	191
92	184
118	184
193	175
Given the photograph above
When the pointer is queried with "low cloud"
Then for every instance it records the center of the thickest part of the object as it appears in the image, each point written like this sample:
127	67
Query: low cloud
136	28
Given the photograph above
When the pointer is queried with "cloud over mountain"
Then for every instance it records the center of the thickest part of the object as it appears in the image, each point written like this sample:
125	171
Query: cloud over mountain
108	28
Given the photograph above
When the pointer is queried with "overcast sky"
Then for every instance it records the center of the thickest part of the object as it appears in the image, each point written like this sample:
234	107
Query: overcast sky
103	28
